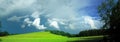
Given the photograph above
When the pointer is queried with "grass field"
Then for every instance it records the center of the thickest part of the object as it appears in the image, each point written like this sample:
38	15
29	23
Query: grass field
47	37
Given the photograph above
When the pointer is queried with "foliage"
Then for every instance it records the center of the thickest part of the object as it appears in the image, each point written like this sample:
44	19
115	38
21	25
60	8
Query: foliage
5	33
110	13
62	33
105	12
92	32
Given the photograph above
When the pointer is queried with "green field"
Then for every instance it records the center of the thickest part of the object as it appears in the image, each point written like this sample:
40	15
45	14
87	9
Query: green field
46	37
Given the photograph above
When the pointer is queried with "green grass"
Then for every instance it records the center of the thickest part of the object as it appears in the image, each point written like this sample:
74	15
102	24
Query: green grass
44	37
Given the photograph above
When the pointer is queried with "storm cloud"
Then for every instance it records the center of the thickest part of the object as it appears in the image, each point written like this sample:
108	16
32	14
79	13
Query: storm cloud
68	14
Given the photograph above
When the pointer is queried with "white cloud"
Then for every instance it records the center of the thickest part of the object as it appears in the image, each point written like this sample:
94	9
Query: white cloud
72	26
64	12
36	23
90	21
54	23
14	18
23	26
27	20
7	6
36	14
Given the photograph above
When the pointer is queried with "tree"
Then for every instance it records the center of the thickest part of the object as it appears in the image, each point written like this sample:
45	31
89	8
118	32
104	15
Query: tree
110	13
92	32
61	33
5	33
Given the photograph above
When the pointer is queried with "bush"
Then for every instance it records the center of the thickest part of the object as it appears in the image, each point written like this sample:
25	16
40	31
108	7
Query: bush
4	33
61	33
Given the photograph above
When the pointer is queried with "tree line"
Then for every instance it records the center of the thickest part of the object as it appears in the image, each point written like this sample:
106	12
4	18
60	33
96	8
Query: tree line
91	32
57	32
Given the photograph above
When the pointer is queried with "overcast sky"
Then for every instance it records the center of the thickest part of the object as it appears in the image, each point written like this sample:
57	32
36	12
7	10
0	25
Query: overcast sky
19	16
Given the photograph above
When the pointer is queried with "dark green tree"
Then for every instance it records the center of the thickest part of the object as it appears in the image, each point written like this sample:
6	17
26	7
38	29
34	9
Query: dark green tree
109	11
92	32
61	33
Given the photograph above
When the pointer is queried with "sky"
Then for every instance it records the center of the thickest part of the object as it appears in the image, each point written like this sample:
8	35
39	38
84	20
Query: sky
72	16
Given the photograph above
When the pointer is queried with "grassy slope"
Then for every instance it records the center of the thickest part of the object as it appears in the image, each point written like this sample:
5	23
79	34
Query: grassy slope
43	37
